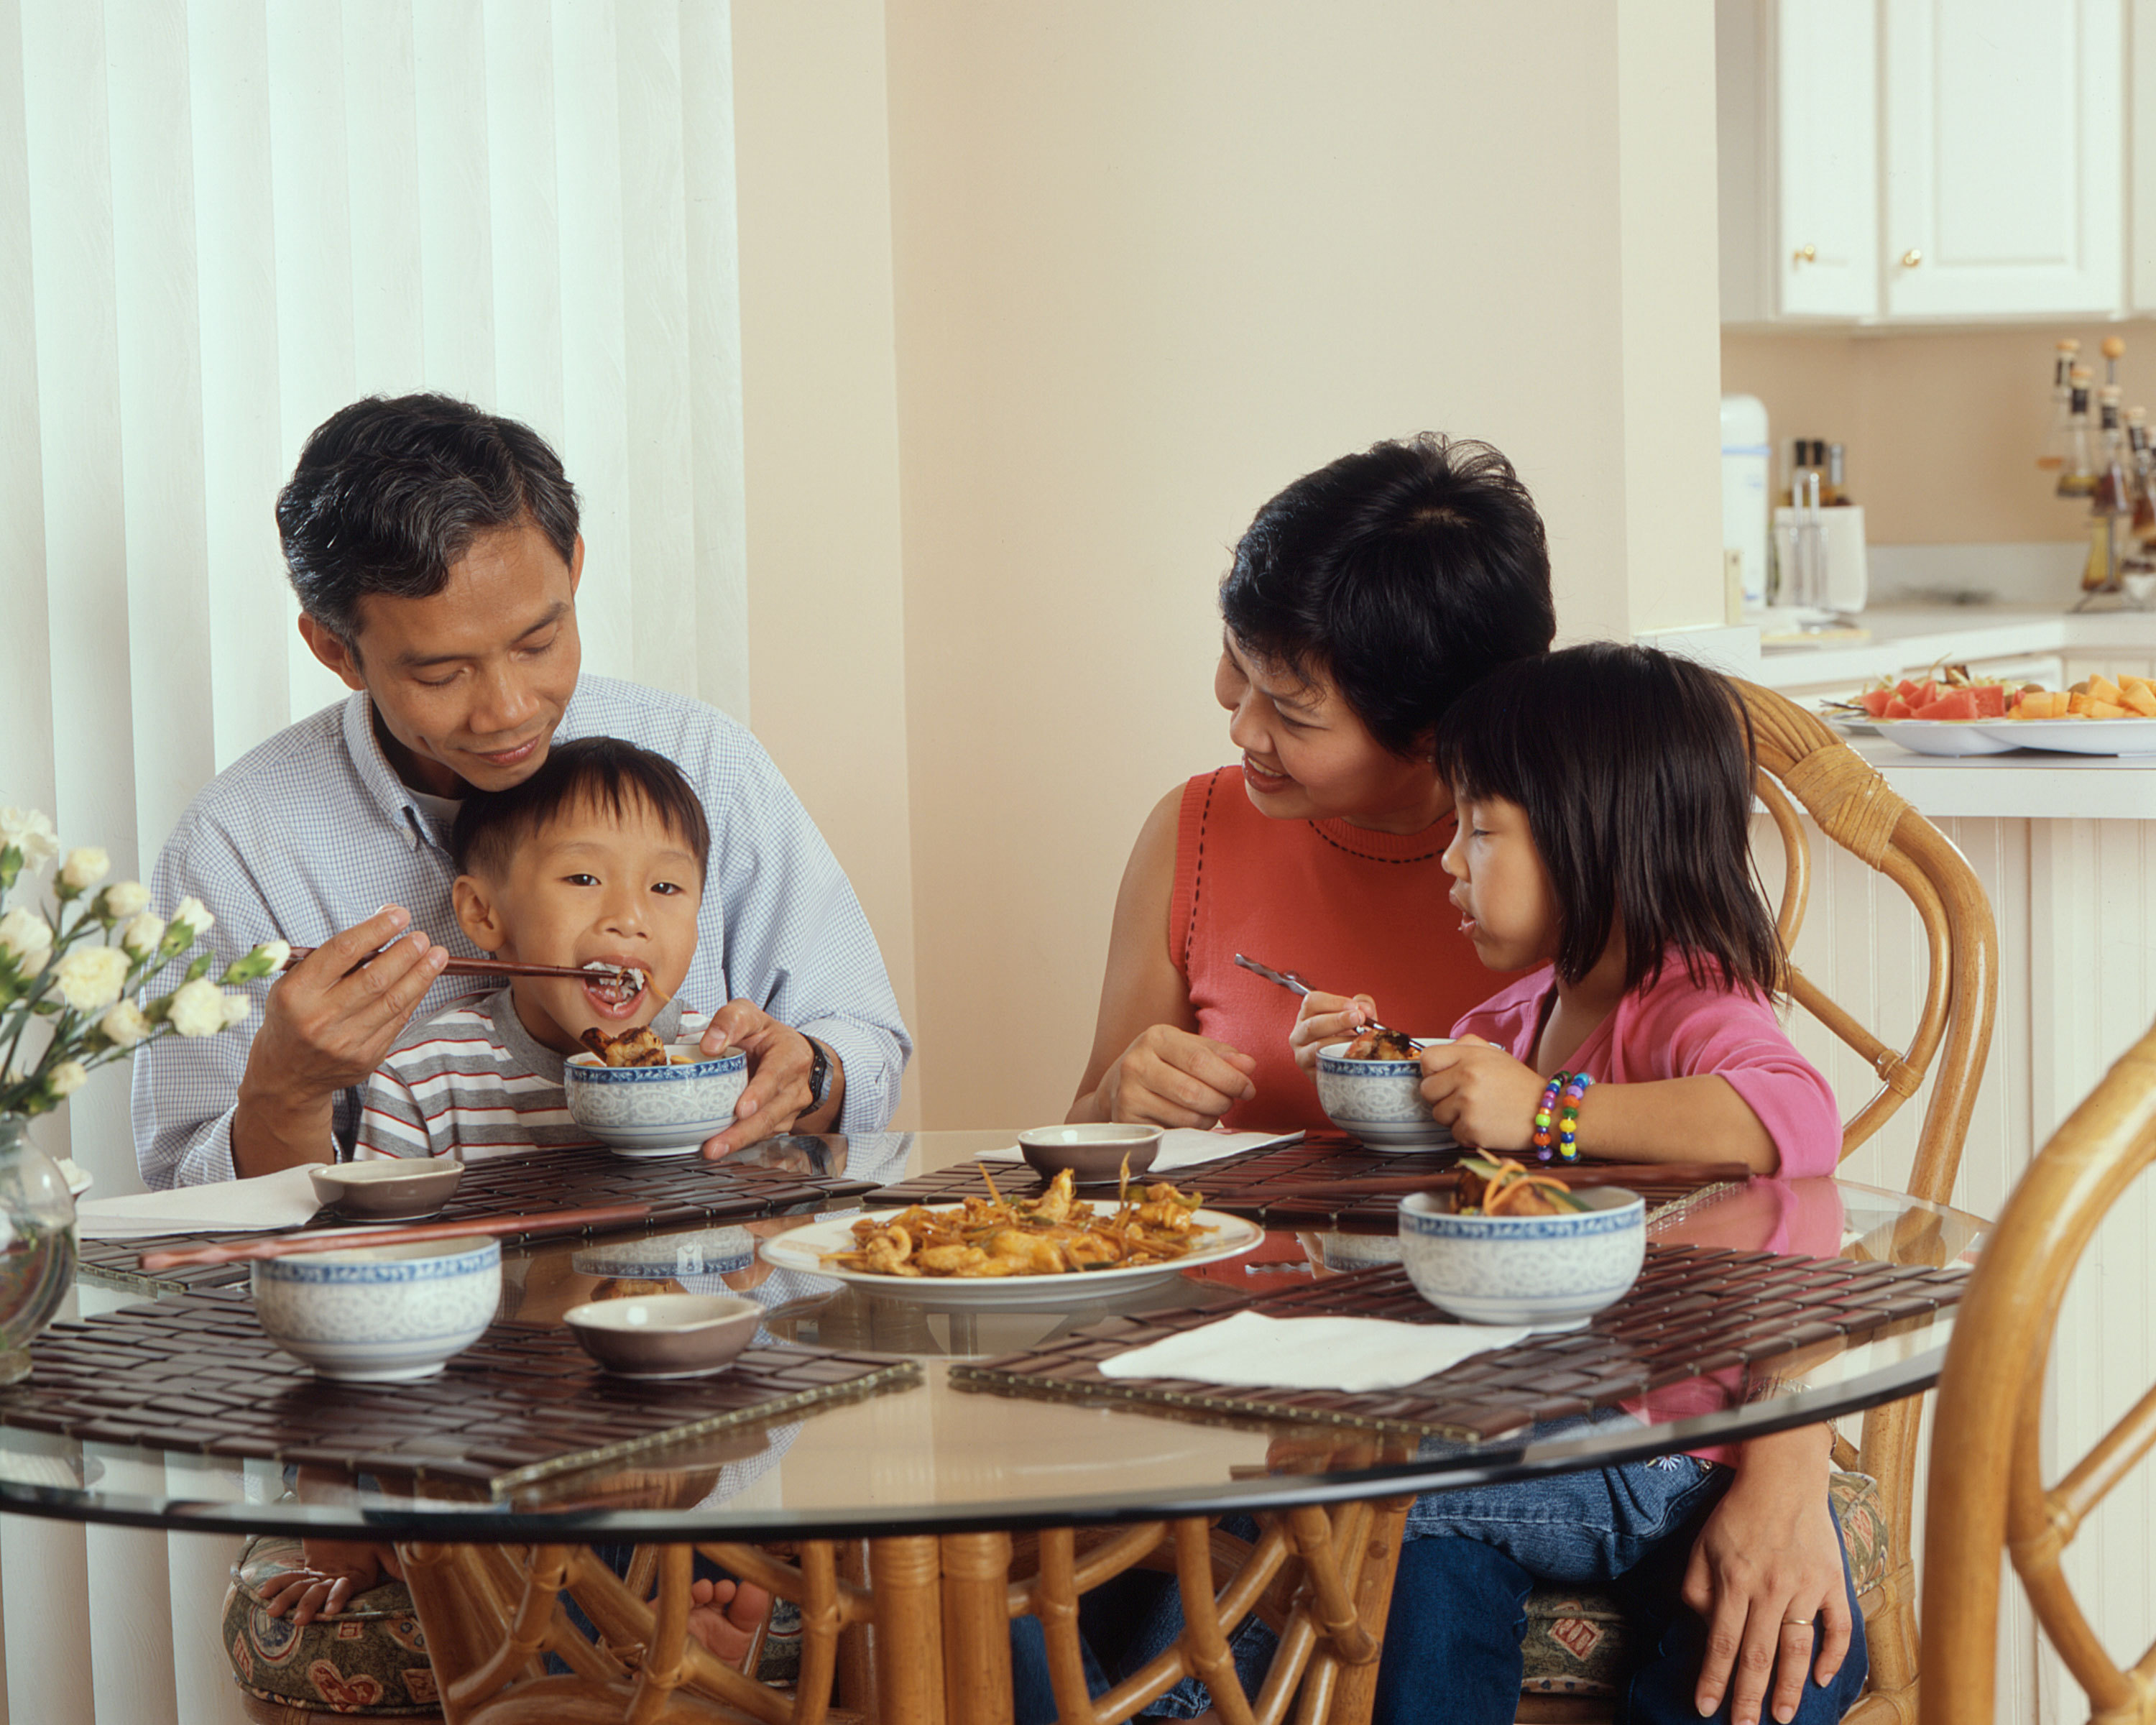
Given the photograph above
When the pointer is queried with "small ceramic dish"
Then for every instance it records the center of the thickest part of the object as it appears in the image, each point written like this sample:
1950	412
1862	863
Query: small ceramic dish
389	1189
1524	1270
380	1314
665	1335
1095	1154
655	1111
1379	1101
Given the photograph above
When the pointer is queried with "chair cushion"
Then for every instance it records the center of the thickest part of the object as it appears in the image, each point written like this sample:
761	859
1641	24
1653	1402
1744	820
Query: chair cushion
1576	1639
369	1660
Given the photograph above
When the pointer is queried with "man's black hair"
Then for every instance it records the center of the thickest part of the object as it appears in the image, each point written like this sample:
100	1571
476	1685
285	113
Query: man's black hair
1635	771
1403	573
389	493
592	773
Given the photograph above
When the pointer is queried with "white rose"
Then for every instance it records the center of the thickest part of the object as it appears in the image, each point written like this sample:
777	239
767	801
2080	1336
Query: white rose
123	1026
197	1008
65	1079
27	938
86	865
196	915
90	978
32	833
126	898
236	1008
142	935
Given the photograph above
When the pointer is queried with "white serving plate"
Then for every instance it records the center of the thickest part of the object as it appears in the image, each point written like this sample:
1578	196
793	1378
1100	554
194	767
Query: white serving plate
1950	736
2077	736
803	1249
1851	724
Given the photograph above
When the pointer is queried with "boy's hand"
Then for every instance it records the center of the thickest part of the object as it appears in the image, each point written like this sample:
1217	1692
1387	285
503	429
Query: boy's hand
779	1062
1766	1574
1327	1017
336	1569
1485	1096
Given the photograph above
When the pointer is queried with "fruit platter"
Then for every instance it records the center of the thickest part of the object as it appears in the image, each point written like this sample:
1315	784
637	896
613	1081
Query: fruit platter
1955	713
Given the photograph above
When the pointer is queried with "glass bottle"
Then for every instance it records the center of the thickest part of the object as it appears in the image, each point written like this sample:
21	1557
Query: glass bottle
2143	478
2077	474
2111	502
1834	493
2058	438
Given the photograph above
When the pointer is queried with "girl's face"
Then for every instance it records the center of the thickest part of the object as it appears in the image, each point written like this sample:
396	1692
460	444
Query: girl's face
1500	887
1306	756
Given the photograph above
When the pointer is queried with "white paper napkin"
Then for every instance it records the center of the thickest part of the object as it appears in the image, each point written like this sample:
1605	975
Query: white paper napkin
1252	1351
283	1199
1184	1146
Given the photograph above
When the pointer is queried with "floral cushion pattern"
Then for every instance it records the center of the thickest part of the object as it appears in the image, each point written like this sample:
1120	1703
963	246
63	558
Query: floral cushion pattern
369	1660
1576	1640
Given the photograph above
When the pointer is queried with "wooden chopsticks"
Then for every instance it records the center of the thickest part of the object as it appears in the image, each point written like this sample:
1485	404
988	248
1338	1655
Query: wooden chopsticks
338	1239
1575	1174
497	966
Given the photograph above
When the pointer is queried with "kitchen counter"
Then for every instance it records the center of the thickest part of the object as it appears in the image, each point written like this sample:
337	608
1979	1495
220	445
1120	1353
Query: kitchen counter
2030	784
1903	638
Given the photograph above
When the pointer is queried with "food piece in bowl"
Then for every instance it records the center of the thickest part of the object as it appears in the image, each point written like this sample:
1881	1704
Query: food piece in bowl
640	1047
1376	1044
1498	1186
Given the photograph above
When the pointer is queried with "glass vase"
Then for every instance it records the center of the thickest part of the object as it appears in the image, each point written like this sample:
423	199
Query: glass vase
36	1245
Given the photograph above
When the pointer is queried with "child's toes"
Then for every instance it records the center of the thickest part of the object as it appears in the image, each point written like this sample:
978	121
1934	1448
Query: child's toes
751	1605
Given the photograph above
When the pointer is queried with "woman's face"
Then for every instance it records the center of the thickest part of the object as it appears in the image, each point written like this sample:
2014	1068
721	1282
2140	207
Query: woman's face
1306	756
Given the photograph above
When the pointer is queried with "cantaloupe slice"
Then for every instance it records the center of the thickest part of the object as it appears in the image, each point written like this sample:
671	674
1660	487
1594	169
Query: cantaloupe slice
2106	710
2101	688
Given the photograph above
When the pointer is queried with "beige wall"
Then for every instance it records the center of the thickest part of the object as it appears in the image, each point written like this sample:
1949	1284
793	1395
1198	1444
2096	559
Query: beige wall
1942	426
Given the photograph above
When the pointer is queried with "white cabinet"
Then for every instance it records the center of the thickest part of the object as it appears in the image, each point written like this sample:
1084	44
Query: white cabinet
2005	157
1922	160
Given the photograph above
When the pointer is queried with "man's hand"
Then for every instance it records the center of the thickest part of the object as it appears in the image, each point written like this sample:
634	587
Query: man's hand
336	1569
327	1025
1175	1078
1766	1573
1323	1018
777	1097
1485	1096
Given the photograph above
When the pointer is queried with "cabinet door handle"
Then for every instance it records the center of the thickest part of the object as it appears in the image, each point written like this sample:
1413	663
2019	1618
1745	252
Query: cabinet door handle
1807	254
1912	257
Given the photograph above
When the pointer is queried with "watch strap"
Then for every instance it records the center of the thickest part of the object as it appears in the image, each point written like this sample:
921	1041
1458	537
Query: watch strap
820	1073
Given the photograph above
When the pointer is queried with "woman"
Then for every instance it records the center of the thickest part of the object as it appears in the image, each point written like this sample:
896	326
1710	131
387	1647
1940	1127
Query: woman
1362	599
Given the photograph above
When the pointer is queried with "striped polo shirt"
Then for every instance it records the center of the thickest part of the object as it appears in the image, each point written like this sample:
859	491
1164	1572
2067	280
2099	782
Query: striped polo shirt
472	1082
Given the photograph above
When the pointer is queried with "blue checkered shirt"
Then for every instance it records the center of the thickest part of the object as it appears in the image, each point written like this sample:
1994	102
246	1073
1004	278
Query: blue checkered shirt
312	832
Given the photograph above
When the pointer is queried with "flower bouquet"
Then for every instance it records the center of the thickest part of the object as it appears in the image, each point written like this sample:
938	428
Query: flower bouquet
74	995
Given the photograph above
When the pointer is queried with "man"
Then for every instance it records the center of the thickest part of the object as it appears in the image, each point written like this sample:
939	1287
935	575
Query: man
435	553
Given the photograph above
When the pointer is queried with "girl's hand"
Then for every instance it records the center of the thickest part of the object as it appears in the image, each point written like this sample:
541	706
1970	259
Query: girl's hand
1327	1017
1175	1078
1485	1096
1766	1574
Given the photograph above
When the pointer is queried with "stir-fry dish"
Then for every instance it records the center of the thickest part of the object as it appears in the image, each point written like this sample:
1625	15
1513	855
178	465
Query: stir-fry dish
1498	1186
640	1047
1379	1045
1047	1235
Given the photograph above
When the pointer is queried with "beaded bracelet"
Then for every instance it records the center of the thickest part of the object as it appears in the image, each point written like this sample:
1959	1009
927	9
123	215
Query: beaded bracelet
1568	1125
1545	1113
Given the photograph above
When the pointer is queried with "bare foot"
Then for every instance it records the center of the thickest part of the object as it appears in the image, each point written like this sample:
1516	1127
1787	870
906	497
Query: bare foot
724	1616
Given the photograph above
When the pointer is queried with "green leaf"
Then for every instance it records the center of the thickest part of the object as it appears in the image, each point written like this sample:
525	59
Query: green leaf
201	967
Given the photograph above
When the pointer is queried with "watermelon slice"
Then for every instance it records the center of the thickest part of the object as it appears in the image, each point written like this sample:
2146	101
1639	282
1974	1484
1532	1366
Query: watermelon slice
1918	694
1990	701
1897	708
1875	701
1955	704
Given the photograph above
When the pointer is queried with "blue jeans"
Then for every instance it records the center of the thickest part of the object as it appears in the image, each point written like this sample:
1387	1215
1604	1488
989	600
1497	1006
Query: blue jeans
1452	1642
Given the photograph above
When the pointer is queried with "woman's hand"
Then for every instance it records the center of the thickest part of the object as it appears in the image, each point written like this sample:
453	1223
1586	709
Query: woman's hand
1766	1574
1175	1078
336	1569
1485	1096
1323	1018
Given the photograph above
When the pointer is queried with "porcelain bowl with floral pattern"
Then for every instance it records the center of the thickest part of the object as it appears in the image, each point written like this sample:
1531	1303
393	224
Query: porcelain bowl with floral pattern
1378	1101
380	1314
1524	1270
656	1110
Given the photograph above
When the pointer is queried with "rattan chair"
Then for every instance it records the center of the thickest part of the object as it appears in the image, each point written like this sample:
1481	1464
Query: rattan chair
1987	1485
1804	765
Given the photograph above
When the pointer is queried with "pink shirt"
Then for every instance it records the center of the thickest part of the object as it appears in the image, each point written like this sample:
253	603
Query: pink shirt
1675	1028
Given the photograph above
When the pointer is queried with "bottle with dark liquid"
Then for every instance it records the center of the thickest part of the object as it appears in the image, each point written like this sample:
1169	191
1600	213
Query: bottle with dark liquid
2078	472
2058	438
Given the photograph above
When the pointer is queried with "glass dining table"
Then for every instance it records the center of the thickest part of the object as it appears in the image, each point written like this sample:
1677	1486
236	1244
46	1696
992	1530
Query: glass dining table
910	1521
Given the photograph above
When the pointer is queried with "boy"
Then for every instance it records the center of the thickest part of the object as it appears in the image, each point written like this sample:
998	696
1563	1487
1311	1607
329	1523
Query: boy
595	860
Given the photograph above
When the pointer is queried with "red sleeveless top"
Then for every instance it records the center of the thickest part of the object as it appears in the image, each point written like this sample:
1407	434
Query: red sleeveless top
1353	911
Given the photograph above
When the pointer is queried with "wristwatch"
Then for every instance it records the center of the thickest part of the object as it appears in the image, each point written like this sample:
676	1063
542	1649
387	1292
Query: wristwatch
819	1074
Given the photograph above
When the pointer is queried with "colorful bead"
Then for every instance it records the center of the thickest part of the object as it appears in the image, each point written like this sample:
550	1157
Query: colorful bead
1568	1132
1545	1112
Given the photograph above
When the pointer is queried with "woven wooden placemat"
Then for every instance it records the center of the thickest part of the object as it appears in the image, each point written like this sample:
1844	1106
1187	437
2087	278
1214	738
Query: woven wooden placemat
1693	1312
1244	1184
197	1374
687	1191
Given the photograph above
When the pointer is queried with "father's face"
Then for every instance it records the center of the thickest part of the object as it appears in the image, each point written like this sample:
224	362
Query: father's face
470	683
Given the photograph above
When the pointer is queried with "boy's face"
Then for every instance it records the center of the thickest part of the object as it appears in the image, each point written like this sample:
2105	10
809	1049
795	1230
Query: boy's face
589	887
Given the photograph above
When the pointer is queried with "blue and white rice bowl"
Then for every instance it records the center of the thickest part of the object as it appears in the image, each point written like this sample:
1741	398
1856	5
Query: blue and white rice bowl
695	1261
380	1314
655	1111
1524	1270
1378	1101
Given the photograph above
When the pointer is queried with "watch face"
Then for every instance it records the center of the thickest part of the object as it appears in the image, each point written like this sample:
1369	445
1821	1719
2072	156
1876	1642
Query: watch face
820	1073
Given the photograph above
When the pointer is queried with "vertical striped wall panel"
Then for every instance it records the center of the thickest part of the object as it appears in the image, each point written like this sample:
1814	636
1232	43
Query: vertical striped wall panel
226	219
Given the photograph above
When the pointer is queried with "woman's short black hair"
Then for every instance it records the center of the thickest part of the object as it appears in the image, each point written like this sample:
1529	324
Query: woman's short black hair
1635	772
1404	573
390	492
593	772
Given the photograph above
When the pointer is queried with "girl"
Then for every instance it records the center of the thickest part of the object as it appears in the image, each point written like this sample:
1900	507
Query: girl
1605	796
